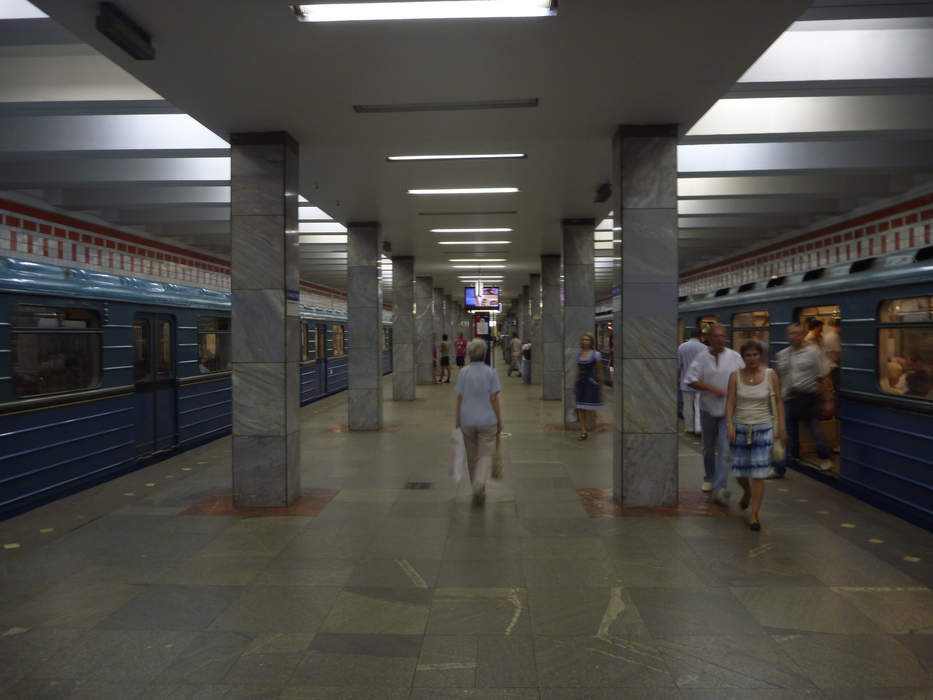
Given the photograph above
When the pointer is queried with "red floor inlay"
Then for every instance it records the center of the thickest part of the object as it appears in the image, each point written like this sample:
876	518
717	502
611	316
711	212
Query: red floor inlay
559	428
344	428
599	503
311	503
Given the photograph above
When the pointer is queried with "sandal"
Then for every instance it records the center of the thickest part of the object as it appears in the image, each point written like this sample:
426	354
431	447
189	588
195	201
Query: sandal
583	436
754	527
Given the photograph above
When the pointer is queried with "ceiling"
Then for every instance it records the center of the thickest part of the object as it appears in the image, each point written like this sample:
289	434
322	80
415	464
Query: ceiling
817	125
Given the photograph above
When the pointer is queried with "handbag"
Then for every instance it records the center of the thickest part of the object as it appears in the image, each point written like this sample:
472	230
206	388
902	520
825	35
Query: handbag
778	450
497	466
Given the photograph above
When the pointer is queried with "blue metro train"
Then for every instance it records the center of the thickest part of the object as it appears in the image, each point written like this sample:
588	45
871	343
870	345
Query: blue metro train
101	373
882	309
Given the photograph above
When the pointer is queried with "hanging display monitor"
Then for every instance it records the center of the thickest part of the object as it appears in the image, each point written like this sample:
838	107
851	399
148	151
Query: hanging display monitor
486	300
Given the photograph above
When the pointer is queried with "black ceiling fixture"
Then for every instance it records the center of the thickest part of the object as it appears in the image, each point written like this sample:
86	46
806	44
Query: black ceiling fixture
124	32
603	192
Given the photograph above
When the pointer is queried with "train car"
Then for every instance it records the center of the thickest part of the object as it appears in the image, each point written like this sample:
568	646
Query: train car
100	374
881	426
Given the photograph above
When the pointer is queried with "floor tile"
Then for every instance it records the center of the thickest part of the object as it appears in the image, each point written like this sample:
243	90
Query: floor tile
505	662
738	661
490	573
278	609
379	611
555	573
805	609
479	611
602	612
895	610
854	661
575	662
447	661
692	611
207	659
169	607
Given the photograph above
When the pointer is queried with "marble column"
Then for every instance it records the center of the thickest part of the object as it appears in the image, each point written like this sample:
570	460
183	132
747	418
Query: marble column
645	315
438	314
534	327
424	327
364	316
524	315
552	349
579	302
264	308
403	328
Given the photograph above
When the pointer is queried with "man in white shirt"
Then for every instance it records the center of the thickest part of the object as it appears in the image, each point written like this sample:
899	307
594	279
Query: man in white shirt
686	354
801	369
709	375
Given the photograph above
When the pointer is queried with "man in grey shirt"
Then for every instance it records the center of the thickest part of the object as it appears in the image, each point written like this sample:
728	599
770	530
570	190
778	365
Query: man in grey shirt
801	370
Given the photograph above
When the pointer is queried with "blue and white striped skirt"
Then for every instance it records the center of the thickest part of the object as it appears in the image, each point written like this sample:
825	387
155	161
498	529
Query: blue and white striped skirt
751	453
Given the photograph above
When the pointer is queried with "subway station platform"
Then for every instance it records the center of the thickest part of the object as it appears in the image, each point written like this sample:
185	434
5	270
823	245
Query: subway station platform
383	582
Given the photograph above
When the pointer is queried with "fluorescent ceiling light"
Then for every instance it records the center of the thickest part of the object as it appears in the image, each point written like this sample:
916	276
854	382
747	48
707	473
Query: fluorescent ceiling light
460	156
467	190
422	9
302	199
473	242
321	227
20	9
323	239
478	267
603	245
471	230
605	225
602	236
312	214
477	260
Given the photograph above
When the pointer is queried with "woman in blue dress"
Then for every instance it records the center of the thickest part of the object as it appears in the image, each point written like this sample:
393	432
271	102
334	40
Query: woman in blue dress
589	382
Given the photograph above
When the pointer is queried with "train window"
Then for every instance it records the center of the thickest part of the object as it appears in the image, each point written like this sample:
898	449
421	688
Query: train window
164	348
319	350
214	353
705	323
54	349
338	340
303	334
905	347
752	325
142	339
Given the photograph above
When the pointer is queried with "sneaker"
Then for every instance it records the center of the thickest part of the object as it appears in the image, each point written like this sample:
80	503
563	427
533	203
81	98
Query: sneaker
707	486
479	499
722	497
826	465
774	474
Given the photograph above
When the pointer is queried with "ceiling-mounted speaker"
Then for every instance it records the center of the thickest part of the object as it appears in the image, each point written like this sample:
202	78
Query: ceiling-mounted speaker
124	32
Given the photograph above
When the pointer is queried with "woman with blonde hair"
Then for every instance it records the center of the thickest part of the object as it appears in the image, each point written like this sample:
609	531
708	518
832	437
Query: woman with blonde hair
589	393
478	416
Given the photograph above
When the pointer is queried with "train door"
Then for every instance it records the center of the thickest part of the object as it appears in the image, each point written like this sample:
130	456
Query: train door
154	378
826	338
320	353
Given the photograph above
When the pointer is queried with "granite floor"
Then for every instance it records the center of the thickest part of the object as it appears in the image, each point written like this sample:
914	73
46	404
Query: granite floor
386	592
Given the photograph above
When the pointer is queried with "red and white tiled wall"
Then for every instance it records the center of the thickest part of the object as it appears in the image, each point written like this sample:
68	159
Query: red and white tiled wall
905	226
27	233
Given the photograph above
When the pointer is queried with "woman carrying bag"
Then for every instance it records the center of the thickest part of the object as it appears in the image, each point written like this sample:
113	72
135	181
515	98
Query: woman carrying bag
754	418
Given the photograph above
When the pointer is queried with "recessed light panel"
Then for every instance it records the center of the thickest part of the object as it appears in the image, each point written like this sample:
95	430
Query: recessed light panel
471	230
467	190
478	267
321	227
476	243
463	156
323	238
422	9
477	260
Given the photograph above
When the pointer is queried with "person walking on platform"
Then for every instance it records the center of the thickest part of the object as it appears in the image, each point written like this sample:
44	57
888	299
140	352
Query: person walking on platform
686	354
478	416
460	346
589	383
709	374
754	419
801	369
515	355
526	362
445	360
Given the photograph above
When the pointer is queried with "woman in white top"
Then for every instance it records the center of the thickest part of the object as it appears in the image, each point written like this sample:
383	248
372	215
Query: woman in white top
752	427
478	416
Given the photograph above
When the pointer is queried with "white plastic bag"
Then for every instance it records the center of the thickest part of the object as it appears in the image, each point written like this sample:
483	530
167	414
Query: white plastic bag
457	455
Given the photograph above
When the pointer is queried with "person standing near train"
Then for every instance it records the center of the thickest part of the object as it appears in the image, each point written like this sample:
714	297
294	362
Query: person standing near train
709	374
460	346
802	370
686	354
